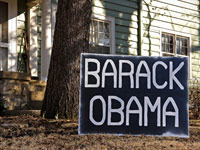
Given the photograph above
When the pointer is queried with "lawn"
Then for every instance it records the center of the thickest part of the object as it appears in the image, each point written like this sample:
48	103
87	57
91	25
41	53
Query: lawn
29	132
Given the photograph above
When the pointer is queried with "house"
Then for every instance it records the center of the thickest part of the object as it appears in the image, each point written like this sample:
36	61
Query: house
128	27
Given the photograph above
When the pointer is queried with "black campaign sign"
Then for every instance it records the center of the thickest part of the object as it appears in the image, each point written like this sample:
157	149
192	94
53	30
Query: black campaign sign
133	95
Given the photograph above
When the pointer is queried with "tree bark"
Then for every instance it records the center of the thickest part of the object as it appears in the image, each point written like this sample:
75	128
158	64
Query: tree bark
71	38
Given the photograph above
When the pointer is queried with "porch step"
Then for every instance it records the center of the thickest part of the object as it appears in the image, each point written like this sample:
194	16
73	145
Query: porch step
21	112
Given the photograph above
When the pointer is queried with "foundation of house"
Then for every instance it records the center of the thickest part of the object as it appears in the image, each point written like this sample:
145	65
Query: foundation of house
19	92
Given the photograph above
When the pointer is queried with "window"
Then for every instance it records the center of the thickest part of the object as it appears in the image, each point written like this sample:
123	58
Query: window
175	45
101	35
3	35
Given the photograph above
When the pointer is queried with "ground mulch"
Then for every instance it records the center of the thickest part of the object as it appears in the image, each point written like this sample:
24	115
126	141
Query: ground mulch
29	132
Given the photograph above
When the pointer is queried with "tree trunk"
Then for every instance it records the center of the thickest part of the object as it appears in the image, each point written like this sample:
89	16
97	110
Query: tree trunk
71	38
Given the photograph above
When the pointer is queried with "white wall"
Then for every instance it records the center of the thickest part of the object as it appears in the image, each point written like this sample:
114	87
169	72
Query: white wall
46	38
33	41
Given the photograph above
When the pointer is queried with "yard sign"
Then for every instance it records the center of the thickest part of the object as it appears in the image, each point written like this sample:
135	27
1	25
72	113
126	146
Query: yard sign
133	95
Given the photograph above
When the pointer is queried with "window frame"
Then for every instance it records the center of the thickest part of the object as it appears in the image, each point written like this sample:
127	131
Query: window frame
111	21
179	34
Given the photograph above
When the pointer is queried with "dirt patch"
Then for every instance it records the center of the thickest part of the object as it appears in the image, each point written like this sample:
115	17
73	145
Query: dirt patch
28	132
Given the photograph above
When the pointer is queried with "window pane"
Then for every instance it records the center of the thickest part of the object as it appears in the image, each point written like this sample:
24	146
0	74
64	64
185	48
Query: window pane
177	41
3	22
178	49
95	26
171	47
106	39
168	43
163	48
185	42
101	38
182	45
106	28
181	42
184	51
163	43
100	26
95	37
167	48
167	39
171	40
181	51
185	46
